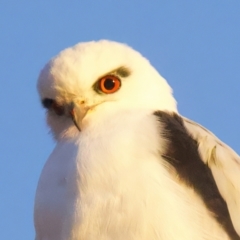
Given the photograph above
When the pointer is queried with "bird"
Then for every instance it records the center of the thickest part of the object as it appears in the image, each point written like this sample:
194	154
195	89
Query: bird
126	164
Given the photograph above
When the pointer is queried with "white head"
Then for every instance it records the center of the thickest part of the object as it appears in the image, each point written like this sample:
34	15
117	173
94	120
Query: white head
85	81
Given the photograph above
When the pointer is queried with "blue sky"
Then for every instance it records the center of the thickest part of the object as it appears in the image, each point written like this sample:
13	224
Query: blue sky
195	45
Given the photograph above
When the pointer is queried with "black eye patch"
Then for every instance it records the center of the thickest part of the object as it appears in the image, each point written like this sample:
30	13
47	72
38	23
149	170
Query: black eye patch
47	102
53	106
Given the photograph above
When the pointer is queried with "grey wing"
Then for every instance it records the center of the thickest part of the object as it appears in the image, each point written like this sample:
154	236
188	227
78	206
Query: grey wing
224	164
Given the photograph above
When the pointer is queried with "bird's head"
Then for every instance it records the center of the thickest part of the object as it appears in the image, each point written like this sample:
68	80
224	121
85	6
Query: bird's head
88	80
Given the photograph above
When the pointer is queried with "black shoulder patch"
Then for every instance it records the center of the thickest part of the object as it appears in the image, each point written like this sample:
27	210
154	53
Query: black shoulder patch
182	153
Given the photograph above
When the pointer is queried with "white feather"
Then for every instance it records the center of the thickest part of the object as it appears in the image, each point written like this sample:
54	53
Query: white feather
224	164
103	185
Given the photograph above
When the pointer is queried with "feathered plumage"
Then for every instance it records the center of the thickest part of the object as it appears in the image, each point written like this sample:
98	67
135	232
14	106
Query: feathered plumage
126	165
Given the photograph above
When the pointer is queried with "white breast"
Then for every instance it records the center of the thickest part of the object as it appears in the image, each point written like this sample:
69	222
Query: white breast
57	193
110	183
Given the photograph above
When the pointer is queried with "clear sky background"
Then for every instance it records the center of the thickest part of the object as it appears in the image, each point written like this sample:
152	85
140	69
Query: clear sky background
195	45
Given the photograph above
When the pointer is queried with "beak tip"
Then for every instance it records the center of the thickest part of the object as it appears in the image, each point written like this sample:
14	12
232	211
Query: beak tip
79	129
73	116
76	124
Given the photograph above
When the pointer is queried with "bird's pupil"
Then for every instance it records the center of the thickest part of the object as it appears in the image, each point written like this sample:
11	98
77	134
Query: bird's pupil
109	83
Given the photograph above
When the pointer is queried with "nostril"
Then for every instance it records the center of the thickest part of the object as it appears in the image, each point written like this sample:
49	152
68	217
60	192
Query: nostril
82	102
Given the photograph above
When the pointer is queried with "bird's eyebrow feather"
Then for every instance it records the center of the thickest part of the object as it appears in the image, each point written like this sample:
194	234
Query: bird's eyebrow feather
123	71
120	71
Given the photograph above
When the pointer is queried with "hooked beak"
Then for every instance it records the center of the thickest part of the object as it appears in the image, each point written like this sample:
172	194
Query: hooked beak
78	112
74	113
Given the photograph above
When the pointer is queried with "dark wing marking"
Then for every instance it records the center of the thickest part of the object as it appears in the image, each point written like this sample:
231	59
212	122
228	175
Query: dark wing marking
184	154
224	164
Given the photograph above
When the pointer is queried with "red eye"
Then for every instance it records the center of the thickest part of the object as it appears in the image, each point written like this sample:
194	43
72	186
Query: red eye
109	84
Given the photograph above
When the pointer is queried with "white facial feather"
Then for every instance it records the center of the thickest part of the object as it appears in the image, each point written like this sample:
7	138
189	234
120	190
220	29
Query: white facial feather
71	75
